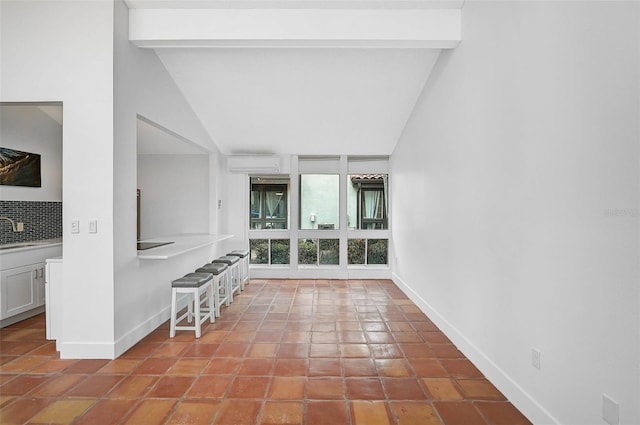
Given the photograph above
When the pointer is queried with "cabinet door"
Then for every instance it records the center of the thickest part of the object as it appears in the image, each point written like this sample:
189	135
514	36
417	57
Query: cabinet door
18	290
40	281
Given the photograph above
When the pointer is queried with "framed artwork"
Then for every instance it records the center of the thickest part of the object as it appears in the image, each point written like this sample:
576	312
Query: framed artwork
19	168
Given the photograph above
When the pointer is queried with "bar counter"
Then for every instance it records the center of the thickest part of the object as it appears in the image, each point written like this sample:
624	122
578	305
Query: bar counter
181	244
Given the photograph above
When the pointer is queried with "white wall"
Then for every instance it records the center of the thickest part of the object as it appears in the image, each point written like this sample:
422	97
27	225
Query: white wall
143	86
515	193
234	211
63	51
27	128
174	194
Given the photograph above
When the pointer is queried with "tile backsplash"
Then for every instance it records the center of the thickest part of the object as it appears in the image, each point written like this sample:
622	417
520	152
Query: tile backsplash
42	220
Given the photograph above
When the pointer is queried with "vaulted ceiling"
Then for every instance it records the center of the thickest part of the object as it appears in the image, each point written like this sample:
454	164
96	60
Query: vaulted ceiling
305	77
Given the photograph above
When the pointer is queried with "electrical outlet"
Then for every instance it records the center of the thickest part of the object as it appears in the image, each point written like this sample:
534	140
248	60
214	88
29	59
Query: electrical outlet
20	227
535	358
610	410
75	226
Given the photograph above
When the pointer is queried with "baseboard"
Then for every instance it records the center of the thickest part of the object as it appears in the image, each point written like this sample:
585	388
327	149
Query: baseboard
136	334
21	316
86	350
516	394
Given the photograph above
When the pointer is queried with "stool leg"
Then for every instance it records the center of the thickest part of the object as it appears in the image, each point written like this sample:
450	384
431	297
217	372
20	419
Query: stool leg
246	264
243	274
172	328
196	307
189	307
211	303
229	283
216	294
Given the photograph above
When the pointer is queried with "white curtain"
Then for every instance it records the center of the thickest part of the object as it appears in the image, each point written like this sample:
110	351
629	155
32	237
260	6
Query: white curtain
385	190
371	202
272	200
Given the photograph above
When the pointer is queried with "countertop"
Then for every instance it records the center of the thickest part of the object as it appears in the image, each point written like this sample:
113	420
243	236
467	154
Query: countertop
181	244
25	246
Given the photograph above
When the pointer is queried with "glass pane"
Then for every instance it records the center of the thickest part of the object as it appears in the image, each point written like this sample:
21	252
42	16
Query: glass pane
355	251
259	251
269	208
329	251
377	251
367	201
255	211
319	201
308	251
279	251
275	203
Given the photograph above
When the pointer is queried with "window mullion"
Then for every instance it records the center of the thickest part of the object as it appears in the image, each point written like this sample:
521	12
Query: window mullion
343	214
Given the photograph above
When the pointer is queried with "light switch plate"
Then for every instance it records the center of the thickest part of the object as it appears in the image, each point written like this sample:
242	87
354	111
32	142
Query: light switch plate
93	226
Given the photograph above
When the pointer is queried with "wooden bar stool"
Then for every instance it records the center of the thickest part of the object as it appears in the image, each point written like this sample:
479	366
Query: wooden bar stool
219	284
243	255
232	262
193	285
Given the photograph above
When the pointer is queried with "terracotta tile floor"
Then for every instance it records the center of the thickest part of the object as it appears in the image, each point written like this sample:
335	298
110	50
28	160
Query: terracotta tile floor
285	352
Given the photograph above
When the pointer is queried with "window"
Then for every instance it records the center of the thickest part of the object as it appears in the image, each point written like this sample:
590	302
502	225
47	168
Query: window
269	251
319	251
319	201
330	213
368	201
268	203
367	251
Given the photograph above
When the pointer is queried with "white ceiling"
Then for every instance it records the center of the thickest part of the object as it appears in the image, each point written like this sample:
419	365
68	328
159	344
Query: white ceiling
301	101
341	86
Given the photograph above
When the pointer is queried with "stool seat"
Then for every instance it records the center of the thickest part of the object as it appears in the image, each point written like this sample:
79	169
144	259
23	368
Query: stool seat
213	268
239	253
192	280
229	260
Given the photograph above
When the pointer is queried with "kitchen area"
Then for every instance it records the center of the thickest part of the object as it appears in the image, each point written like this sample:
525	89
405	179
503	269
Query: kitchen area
30	208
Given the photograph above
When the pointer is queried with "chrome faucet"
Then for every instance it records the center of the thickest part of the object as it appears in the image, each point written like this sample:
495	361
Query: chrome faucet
15	227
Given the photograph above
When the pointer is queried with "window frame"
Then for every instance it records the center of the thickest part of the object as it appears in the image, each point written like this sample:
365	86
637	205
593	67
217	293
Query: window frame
262	219
370	185
344	167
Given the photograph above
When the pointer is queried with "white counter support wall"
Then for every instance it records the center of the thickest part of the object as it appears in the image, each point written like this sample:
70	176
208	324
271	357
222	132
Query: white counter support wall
143	87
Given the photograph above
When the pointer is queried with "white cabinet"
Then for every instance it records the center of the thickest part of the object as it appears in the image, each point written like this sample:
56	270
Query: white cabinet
22	281
53	277
21	289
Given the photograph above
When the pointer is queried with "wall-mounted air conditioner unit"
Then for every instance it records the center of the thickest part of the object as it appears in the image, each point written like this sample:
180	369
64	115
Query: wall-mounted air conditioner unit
253	164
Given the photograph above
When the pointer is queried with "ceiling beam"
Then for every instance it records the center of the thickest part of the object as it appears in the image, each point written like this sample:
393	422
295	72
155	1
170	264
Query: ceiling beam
157	27
294	4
